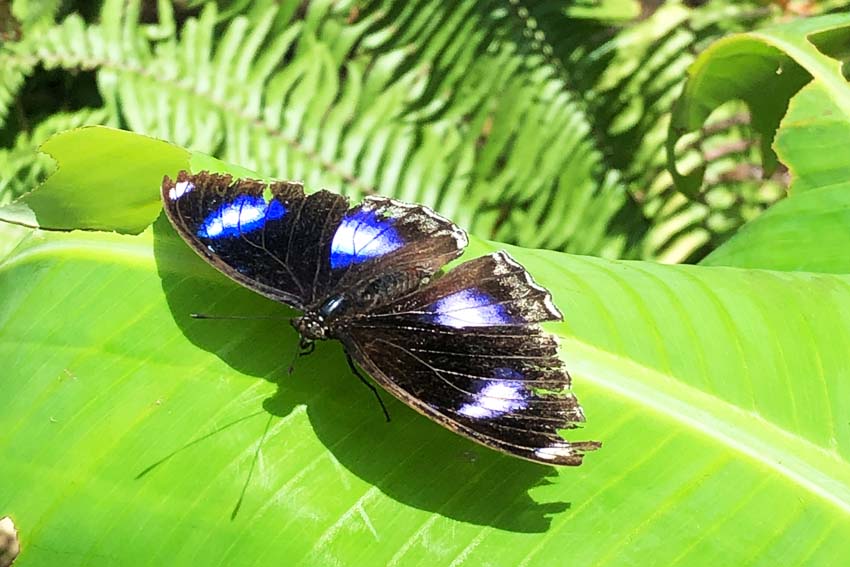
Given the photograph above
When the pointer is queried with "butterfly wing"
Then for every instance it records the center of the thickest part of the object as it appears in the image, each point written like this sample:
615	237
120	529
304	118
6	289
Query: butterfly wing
271	238
467	352
382	235
299	248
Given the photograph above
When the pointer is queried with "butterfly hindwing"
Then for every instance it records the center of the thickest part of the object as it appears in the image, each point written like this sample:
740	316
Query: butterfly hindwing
270	237
465	350
488	291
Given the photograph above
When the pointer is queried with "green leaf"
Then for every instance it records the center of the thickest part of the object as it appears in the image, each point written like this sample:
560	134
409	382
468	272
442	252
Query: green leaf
778	60
631	80
107	179
23	166
133	434
807	231
92	163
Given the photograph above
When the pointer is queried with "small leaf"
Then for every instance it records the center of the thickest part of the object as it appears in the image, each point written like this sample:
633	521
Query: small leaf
126	169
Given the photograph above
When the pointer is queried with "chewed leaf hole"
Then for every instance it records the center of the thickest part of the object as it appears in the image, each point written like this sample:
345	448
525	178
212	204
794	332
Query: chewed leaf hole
834	43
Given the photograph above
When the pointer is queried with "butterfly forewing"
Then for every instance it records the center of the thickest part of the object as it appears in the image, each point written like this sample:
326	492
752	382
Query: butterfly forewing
301	248
383	235
268	237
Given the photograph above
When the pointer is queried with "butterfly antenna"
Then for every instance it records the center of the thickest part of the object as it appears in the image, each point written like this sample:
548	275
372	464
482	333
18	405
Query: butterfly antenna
305	347
295	354
368	385
240	317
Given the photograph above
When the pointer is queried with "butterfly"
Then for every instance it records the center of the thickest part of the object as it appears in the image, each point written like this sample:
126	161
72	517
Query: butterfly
462	347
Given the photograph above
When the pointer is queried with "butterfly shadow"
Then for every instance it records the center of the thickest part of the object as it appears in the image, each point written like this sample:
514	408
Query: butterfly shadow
410	459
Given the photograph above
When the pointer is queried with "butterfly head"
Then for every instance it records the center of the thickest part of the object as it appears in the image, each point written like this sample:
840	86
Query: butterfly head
314	324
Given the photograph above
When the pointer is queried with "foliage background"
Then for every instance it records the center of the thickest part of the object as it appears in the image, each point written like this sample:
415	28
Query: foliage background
539	124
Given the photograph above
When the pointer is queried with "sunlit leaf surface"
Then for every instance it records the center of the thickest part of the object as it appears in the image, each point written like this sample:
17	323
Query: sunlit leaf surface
133	434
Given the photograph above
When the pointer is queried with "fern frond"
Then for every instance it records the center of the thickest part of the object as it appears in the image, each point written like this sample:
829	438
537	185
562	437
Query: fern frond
525	160
35	15
444	106
13	72
632	79
499	113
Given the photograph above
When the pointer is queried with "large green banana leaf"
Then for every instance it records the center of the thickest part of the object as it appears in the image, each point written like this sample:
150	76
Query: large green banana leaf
133	434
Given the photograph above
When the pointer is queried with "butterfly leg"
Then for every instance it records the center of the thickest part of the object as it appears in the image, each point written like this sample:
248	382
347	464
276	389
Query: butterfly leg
368	385
307	347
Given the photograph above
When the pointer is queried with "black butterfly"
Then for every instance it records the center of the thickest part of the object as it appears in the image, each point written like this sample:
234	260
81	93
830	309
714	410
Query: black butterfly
462	348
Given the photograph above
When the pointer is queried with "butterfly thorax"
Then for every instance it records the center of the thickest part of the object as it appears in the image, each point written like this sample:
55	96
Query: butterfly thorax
319	322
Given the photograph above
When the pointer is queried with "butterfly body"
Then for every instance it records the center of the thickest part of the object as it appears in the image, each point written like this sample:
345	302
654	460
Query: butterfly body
320	322
462	347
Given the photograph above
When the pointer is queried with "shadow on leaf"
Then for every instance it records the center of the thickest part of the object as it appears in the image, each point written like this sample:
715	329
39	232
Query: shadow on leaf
411	459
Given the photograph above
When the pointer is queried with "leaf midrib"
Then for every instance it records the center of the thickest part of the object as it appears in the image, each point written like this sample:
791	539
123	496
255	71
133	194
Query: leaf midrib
820	471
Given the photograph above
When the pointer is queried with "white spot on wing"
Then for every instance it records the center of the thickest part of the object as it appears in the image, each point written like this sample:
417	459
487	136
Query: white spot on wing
180	188
241	213
362	236
234	216
495	399
468	308
552	453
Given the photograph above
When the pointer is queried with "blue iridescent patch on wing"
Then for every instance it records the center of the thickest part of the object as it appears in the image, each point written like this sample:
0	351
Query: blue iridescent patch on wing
468	308
242	215
361	236
504	395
